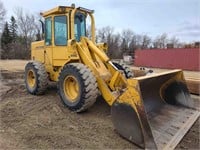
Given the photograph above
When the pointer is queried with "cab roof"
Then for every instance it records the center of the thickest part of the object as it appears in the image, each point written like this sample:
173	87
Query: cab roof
64	9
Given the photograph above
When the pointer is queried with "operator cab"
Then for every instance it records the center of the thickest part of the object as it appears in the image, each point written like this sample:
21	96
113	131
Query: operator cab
65	23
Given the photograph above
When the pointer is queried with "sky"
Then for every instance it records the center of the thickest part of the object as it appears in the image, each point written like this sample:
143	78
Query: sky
179	18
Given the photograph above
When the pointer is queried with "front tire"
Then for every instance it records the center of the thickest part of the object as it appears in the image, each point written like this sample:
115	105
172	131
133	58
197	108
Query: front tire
36	78
77	87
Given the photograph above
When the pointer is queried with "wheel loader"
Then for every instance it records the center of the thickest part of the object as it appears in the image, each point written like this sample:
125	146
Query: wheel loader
153	112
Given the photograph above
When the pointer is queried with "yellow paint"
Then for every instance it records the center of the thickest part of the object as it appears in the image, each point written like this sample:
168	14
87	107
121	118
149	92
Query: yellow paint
37	51
132	97
118	81
102	46
132	94
111	82
71	88
57	10
98	52
31	79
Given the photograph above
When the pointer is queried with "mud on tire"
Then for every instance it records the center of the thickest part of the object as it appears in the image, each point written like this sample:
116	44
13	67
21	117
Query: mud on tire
127	71
87	87
39	77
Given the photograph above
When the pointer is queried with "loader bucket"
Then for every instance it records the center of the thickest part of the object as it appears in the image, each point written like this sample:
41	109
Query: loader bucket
155	111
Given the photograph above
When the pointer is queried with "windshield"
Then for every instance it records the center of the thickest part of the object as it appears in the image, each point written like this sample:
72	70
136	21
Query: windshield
60	30
79	26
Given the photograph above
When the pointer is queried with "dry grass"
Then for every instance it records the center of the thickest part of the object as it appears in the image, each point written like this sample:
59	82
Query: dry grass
13	65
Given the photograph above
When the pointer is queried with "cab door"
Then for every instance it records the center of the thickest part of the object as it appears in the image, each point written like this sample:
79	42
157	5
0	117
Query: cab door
48	42
60	39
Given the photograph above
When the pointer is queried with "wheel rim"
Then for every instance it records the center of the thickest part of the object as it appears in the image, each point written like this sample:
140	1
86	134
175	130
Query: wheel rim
71	88
31	78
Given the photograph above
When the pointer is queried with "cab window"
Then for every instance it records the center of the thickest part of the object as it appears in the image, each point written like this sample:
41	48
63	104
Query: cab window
48	31
60	30
79	26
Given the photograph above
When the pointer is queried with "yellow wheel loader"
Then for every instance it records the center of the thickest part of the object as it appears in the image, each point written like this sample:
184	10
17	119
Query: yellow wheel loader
153	111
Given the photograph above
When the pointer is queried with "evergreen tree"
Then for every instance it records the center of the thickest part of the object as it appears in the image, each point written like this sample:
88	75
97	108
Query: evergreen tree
5	41
13	29
6	36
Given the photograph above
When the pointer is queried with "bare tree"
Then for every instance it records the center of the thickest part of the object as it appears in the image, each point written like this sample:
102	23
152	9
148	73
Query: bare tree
2	16
116	43
105	34
29	29
28	26
127	36
160	41
163	40
174	41
136	42
114	48
146	41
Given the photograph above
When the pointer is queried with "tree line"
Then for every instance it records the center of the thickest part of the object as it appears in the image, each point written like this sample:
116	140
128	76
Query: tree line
24	28
17	33
126	42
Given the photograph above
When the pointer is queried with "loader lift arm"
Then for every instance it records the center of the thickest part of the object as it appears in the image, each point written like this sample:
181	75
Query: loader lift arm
169	100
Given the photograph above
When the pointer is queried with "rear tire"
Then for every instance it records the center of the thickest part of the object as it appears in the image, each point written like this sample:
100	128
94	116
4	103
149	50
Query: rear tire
36	78
127	71
77	87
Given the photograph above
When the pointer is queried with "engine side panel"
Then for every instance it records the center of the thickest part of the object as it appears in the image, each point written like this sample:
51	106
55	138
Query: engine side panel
37	51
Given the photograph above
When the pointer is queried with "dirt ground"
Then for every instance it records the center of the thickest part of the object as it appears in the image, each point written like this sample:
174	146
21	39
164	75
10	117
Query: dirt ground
42	122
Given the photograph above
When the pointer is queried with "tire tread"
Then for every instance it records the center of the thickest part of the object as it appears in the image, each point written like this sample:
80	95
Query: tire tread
90	86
